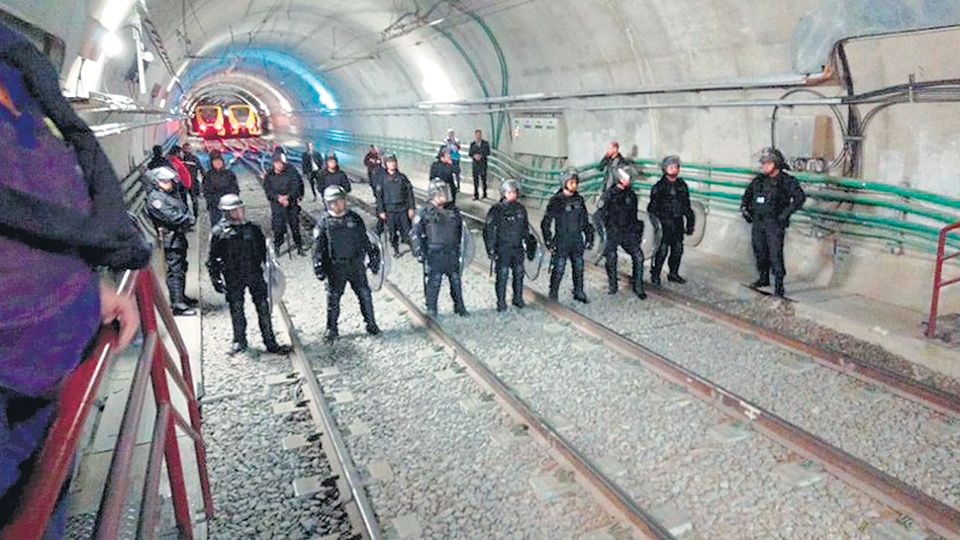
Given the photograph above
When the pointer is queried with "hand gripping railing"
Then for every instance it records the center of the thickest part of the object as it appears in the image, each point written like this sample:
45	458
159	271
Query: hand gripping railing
938	282
40	495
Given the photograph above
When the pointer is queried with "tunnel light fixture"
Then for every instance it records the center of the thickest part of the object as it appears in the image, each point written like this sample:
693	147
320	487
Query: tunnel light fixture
435	82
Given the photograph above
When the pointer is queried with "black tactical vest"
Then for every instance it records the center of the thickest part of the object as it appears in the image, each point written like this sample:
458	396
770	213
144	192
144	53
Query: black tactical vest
345	237
442	227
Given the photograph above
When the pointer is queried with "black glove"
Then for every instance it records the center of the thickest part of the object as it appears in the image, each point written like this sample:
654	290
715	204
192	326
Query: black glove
588	245
374	263
531	249
689	230
547	243
784	219
746	215
492	255
318	270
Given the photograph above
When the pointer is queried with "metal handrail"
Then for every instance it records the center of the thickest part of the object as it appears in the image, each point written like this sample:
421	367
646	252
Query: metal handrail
80	391
938	282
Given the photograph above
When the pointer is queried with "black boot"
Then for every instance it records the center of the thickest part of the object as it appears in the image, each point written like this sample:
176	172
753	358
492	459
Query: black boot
612	283
237	347
330	335
192	302
778	288
675	278
579	296
762	282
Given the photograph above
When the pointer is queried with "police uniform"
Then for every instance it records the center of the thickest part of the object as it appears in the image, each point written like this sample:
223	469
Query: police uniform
768	203
341	246
567	232
449	174
395	199
507	238
335	177
623	228
237	254
216	184
436	235
670	203
170	216
288	182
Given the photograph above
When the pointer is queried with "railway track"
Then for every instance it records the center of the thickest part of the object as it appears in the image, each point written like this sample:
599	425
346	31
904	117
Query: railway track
926	510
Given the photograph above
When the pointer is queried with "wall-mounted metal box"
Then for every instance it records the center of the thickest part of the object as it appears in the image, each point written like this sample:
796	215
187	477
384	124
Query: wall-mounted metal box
806	137
540	136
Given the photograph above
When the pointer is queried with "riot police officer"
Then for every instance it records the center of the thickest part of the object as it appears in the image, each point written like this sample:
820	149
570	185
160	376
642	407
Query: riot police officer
395	203
567	232
437	235
218	181
507	237
444	168
768	202
284	188
341	246
670	203
619	214
332	175
238	251
170	216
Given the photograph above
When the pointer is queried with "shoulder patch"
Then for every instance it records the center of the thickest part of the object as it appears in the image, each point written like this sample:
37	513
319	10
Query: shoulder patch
157	203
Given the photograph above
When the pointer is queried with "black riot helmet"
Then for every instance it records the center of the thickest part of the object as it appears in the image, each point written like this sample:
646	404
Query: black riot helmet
773	155
509	184
567	175
331	194
437	187
669	160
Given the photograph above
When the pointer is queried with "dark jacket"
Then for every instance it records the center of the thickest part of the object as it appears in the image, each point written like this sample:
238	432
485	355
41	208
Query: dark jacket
482	148
288	182
619	211
772	198
311	167
436	228
507	228
102	234
371	161
334	178
237	252
194	168
342	240
566	223
670	200
447	173
394	193
169	215
219	183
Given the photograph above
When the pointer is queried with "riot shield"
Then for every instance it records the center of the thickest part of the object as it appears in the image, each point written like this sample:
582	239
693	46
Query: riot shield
377	278
533	259
652	235
467	247
273	275
699	223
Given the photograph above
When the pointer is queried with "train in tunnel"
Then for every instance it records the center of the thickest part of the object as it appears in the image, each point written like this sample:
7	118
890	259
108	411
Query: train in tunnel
861	99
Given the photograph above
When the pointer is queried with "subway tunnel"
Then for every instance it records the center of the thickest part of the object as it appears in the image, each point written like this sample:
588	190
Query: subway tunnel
859	96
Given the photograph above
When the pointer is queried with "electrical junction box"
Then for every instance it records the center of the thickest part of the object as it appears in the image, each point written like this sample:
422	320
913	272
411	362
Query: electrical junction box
806	137
540	136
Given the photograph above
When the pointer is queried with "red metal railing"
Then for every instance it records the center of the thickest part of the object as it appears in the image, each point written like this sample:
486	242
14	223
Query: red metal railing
154	364
938	282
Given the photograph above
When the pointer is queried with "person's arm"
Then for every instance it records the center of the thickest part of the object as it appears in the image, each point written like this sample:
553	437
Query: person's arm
546	225
215	263
491	229
418	240
320	254
746	202
346	183
119	309
797	198
691	218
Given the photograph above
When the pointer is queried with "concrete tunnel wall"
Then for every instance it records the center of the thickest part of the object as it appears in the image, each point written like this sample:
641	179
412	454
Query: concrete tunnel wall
570	46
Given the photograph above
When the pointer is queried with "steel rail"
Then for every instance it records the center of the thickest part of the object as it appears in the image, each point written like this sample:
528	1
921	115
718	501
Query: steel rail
320	410
924	394
939	517
358	506
610	496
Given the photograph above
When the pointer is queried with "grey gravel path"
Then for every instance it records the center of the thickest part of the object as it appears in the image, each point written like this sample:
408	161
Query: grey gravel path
664	449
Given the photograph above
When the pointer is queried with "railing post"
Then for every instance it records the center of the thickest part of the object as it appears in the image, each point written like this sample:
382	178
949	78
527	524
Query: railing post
935	297
161	392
